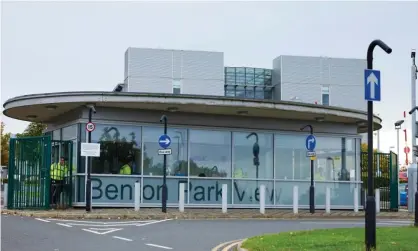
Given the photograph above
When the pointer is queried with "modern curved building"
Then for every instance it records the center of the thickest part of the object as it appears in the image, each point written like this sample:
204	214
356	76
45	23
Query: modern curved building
215	115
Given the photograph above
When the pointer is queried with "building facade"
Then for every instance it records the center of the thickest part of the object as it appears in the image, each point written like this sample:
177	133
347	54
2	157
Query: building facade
216	114
313	80
174	71
328	81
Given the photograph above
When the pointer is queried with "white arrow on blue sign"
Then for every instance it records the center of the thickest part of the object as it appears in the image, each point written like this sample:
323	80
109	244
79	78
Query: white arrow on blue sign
372	85
310	142
164	141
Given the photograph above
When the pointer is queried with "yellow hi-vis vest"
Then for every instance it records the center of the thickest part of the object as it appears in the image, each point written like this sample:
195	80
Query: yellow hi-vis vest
125	169
318	176
58	171
239	173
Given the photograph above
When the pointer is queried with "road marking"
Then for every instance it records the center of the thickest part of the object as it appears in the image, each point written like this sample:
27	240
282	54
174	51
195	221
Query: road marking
157	246
152	222
99	222
42	220
121	238
97	230
227	248
223	244
64	225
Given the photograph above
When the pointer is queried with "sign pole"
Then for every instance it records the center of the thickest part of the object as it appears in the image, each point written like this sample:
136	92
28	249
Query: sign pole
372	93
164	142
89	127
310	146
414	72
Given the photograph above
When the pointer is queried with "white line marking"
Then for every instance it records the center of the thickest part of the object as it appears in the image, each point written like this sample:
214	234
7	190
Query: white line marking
105	230
64	225
121	238
153	222
100	222
108	225
157	246
42	220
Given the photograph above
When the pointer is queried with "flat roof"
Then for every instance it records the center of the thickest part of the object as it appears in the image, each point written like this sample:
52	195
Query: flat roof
45	107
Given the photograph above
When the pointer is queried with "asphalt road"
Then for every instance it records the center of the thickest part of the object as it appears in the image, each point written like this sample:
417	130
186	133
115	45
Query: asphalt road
30	234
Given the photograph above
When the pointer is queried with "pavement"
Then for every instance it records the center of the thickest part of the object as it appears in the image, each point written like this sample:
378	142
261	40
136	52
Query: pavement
214	213
21	233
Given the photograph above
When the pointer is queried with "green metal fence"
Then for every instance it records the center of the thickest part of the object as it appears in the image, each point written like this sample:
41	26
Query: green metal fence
30	183
385	173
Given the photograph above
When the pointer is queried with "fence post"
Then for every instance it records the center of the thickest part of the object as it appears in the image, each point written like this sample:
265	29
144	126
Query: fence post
224	198
295	199
5	195
377	195
356	199
181	197
137	195
328	200
262	199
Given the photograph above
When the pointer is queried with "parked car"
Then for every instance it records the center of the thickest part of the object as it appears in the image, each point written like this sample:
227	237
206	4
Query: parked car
403	194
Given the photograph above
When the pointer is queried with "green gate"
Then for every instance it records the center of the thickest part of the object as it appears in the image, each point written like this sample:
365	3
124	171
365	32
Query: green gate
385	173
30	184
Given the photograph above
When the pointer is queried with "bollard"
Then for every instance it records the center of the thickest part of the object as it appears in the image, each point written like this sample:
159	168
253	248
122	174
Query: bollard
328	200
377	195
5	195
295	200
181	197
137	195
356	199
262	199
224	198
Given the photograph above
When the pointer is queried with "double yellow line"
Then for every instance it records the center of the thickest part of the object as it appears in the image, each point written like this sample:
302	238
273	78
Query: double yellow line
226	246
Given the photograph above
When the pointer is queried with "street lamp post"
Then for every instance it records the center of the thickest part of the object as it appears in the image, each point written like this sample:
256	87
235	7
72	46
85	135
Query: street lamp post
256	152
312	187
411	112
371	200
414	74
92	110
164	195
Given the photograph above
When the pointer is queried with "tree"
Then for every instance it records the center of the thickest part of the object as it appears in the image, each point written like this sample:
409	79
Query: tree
5	137
32	130
383	160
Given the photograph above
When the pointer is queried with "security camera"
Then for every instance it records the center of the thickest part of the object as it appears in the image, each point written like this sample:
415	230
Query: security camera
92	108
413	110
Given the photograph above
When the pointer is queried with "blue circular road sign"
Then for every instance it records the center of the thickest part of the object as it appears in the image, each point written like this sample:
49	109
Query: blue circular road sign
310	143
164	141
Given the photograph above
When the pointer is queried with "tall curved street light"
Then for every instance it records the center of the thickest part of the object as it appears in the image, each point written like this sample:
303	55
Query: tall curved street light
256	153
371	200
312	186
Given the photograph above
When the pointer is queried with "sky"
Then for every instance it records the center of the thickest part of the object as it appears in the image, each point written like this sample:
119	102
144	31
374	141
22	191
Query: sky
75	46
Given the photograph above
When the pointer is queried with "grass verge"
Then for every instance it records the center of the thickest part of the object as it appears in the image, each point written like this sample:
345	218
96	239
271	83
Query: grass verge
346	239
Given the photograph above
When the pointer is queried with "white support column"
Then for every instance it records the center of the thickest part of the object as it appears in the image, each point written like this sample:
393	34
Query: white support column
295	199
181	197
262	199
5	194
328	200
137	195
377	194
224	198
356	199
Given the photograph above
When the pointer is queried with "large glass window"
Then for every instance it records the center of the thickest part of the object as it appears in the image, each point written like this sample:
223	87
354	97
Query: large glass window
332	158
56	135
290	157
120	149
210	153
246	165
69	132
176	162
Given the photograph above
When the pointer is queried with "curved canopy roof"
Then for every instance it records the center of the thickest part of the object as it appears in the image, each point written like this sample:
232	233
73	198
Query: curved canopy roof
45	107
